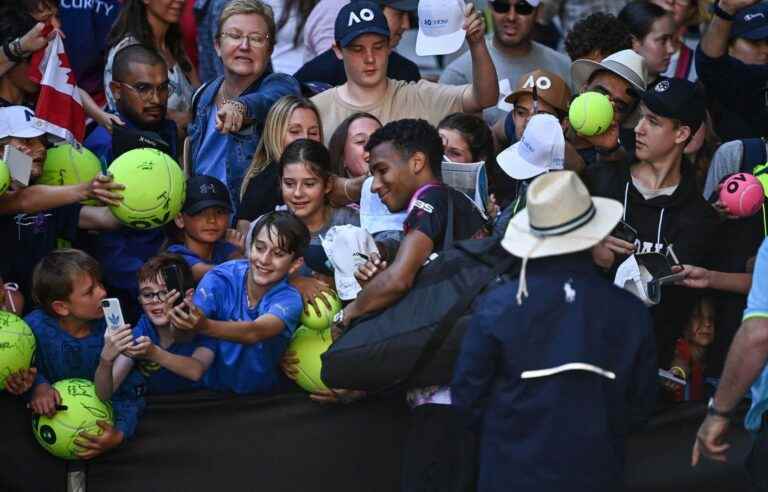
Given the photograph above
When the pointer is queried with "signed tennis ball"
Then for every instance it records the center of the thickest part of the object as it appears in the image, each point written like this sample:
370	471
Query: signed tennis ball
322	319
591	114
17	345
309	345
155	188
64	165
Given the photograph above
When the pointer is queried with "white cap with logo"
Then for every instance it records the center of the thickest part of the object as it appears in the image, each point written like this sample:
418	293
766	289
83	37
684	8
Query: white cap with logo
20	122
541	149
440	27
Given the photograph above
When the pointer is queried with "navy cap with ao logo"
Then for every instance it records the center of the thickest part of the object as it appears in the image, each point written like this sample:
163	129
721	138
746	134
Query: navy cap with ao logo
677	99
205	192
358	18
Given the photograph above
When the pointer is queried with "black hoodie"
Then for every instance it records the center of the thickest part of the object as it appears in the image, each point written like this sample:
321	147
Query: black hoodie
683	219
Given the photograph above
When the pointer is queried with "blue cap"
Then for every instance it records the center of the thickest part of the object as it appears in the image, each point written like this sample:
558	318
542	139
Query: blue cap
751	23
358	18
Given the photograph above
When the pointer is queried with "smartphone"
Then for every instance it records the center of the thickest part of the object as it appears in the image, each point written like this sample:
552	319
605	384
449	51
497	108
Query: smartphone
625	232
112	313
174	281
19	164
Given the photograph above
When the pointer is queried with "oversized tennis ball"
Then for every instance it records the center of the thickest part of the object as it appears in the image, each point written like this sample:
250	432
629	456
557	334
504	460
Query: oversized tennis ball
65	165
322	319
155	188
83	410
5	177
17	345
309	345
591	114
742	194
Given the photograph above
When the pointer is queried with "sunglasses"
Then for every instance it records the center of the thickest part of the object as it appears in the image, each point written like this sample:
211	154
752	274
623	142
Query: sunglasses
521	8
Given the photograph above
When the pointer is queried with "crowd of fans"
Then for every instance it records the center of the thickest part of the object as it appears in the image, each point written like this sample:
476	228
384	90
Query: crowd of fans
291	117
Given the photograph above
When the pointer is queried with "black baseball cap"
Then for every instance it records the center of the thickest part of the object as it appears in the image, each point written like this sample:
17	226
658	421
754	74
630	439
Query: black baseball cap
678	99
751	23
205	192
404	5
358	18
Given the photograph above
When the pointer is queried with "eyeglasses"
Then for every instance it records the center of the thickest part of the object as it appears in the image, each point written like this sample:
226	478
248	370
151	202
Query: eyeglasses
146	91
255	39
153	297
521	7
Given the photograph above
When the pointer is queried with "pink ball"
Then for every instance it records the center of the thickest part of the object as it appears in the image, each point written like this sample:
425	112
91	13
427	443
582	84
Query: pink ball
742	194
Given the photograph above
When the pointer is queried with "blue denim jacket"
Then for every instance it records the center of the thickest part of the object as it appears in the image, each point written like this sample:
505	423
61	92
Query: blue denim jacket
258	99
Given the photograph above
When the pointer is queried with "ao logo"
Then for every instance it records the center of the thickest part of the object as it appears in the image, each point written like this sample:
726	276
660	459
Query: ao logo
542	83
365	15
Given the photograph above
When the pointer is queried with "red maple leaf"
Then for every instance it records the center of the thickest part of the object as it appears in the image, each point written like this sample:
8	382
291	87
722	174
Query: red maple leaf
64	61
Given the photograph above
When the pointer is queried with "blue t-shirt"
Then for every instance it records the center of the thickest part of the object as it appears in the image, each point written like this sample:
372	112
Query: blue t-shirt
159	379
221	253
212	156
62	356
222	295
757	307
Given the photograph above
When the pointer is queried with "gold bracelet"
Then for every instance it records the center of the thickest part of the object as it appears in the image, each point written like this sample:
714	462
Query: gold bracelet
238	106
682	372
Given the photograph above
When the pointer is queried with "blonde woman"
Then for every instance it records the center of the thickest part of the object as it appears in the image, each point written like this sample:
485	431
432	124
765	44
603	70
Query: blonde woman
231	109
290	119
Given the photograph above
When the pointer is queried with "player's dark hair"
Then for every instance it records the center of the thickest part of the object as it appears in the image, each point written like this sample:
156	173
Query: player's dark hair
312	154
638	17
54	276
408	137
287	231
599	32
121	66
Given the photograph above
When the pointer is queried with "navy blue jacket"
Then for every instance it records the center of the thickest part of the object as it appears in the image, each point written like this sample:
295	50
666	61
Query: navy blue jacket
547	426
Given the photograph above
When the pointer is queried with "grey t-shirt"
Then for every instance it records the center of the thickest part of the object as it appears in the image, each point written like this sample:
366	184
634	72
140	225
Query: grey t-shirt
727	160
459	72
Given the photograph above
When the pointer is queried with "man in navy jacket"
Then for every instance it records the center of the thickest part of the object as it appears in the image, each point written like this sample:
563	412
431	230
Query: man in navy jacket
557	378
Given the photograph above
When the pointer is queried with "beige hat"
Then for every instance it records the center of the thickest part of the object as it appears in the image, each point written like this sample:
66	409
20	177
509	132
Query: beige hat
560	217
625	63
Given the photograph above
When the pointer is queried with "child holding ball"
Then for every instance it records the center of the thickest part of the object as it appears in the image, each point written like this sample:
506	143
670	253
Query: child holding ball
170	360
200	233
250	307
69	329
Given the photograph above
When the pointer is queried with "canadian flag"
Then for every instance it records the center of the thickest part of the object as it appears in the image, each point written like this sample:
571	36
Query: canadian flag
58	104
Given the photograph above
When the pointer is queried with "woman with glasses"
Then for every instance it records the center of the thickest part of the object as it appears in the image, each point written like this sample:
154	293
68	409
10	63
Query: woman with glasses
155	24
230	111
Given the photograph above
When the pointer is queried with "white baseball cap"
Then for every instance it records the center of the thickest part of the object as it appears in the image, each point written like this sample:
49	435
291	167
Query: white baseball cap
20	122
440	27
541	149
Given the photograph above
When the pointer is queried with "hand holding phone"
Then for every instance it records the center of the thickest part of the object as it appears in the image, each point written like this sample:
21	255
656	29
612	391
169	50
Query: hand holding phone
174	281
112	313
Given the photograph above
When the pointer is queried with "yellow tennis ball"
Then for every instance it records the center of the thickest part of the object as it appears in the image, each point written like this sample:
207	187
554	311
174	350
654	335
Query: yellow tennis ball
591	114
64	165
309	345
17	345
5	177
155	188
321	318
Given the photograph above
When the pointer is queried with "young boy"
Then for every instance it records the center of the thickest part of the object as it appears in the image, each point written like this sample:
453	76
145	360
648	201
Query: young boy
201	231
69	329
171	361
250	306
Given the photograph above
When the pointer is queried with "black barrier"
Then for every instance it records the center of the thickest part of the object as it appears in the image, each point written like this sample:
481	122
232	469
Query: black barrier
206	442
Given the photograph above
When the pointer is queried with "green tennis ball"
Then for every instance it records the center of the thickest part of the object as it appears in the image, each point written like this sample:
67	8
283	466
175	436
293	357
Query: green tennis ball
761	173
17	345
322	319
309	345
83	409
155	188
64	165
5	177
591	114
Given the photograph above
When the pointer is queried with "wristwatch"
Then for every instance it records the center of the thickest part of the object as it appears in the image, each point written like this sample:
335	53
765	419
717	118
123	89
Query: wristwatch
338	319
711	410
720	12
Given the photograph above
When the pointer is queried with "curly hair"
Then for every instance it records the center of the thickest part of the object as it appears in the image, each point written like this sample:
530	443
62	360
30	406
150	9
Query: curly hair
408	137
599	32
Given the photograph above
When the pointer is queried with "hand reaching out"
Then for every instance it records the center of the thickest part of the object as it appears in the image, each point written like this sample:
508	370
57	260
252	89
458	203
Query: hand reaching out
19	382
94	445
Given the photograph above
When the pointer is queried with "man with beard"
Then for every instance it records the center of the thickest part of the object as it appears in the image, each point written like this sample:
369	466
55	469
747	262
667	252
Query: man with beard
512	50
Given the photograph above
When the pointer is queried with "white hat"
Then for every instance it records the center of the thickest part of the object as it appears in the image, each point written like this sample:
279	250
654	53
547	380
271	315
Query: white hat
440	27
560	217
347	247
625	63
20	122
541	149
